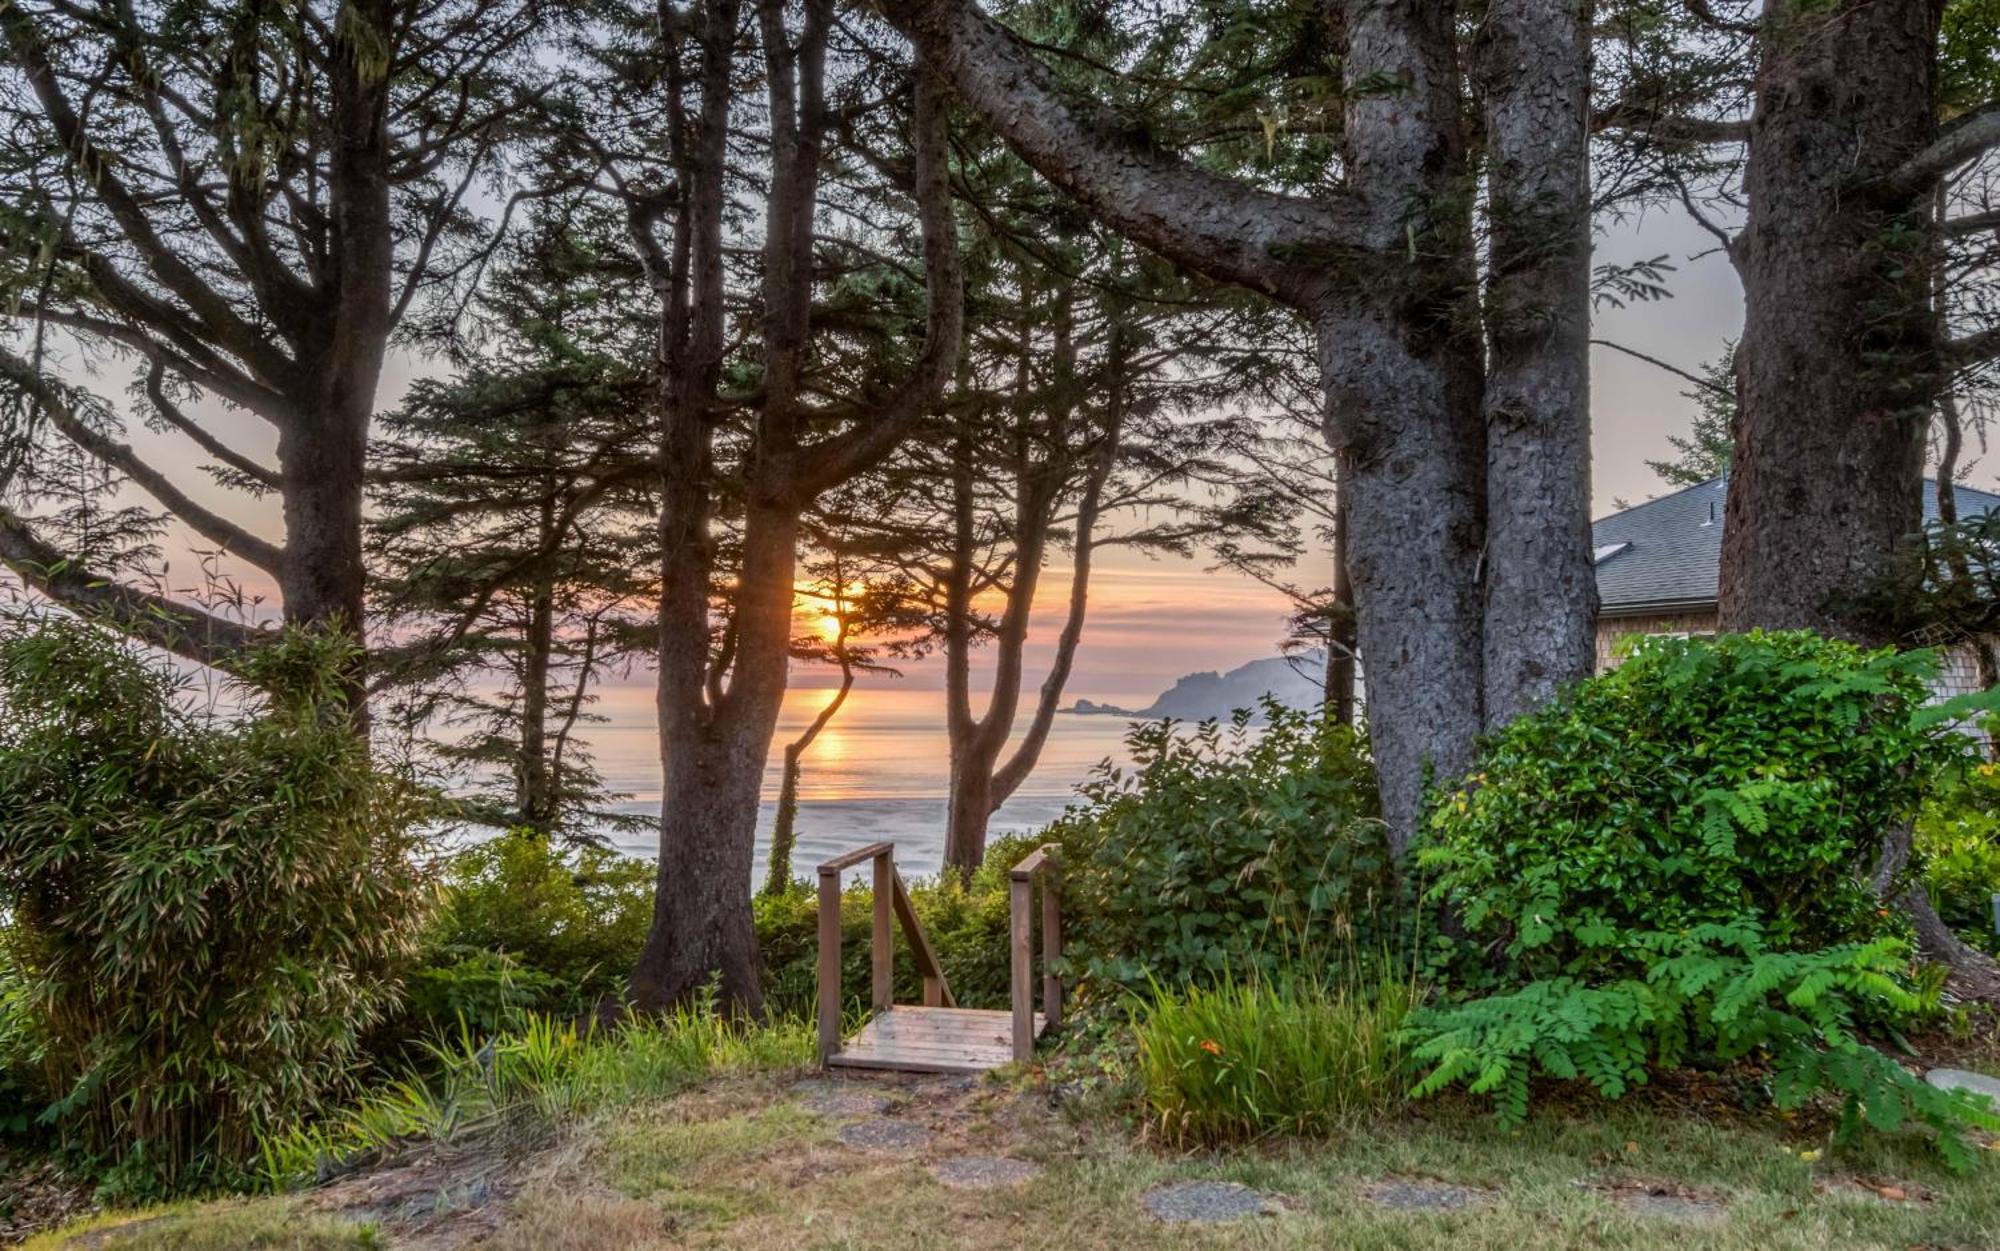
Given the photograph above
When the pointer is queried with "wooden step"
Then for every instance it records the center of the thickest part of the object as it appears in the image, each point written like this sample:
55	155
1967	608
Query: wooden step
933	1040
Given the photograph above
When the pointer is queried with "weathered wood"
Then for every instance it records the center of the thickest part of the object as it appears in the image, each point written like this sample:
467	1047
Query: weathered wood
882	946
1051	946
933	1040
829	963
847	860
928	967
1034	862
1021	922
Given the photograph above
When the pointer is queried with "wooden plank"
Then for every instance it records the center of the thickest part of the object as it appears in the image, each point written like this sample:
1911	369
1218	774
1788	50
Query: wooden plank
1020	933
933	1040
1051	946
848	860
1034	862
882	947
920	947
829	964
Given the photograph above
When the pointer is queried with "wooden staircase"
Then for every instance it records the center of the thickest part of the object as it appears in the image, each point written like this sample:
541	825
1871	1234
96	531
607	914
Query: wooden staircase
937	1036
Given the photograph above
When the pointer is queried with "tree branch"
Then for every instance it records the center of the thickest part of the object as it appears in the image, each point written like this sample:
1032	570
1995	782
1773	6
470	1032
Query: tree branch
1212	224
154	619
120	456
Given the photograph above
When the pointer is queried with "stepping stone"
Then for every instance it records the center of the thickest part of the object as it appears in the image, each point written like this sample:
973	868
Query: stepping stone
1425	1196
1967	1081
837	1099
1684	1208
984	1172
1206	1202
883	1134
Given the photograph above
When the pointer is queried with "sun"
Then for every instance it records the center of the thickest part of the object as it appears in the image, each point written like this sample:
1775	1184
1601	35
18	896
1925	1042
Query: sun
829	627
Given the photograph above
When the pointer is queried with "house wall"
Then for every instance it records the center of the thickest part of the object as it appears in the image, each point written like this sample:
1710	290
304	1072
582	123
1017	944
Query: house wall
1611	629
1960	675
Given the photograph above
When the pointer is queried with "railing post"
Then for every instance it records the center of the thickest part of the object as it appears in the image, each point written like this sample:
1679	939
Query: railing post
883	949
829	964
1051	944
1021	921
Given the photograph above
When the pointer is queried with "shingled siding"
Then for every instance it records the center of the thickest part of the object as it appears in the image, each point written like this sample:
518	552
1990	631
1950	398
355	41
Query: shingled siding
1611	629
1961	667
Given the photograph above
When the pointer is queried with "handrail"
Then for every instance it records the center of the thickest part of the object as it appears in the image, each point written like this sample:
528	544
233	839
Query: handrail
1039	864
891	898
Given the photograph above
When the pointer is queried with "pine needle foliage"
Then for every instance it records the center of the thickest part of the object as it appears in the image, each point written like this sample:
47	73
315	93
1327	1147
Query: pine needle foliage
205	912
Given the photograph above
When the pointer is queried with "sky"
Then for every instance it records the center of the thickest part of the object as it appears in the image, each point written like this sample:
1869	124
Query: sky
1153	620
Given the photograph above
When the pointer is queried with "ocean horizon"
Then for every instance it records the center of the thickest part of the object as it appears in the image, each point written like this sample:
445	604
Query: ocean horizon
878	772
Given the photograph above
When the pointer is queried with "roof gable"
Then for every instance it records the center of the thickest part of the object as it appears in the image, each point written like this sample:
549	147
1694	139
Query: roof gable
1666	553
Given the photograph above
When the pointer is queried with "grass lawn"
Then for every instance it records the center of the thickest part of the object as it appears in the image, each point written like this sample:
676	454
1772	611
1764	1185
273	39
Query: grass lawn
761	1163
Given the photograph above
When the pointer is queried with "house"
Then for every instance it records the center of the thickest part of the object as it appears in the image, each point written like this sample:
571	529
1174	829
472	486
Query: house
1658	566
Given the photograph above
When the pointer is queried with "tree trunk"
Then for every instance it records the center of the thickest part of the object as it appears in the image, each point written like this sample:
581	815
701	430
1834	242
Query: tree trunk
1400	361
784	833
534	796
1340	642
1533	70
1837	368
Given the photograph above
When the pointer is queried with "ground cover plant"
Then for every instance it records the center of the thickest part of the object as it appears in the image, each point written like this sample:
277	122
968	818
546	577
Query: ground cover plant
206	914
1671	864
537	1077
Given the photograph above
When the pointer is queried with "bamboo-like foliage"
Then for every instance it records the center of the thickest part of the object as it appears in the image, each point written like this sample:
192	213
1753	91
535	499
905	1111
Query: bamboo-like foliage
207	909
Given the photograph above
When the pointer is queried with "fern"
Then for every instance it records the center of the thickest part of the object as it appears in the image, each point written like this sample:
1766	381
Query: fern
1717	989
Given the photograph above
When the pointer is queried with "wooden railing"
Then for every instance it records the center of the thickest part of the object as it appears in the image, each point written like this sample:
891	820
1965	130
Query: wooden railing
1038	866
890	896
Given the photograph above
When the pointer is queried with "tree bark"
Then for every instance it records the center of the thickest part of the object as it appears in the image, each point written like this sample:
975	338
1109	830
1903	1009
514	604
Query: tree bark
1399	357
718	713
1838	366
1533	72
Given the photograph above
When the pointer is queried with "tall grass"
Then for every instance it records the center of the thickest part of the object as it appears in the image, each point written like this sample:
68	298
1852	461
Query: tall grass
1294	1052
531	1080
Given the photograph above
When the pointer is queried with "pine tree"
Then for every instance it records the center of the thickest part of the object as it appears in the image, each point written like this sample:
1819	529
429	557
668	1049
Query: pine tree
512	534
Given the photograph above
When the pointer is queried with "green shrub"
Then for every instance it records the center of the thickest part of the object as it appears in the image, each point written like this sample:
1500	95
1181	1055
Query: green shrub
537	1076
1958	841
1670	863
21	1096
1291	1053
1748	779
205	912
1226	849
528	925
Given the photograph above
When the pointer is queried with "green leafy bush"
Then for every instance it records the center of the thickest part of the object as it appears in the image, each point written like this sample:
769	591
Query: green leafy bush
1670	864
1958	841
1290	1053
1227	849
528	925
205	912
1748	779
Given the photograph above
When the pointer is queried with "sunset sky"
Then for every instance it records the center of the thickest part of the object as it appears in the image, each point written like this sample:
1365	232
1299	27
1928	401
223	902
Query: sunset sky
1152	620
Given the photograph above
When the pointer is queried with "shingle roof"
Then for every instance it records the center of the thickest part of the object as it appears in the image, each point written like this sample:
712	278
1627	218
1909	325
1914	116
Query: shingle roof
1667	553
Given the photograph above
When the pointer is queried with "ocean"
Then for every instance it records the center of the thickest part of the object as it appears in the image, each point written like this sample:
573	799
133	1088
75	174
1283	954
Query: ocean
876	773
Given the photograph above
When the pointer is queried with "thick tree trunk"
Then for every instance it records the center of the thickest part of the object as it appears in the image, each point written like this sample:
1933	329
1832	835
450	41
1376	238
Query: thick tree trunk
1838	364
1533	70
1399	356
